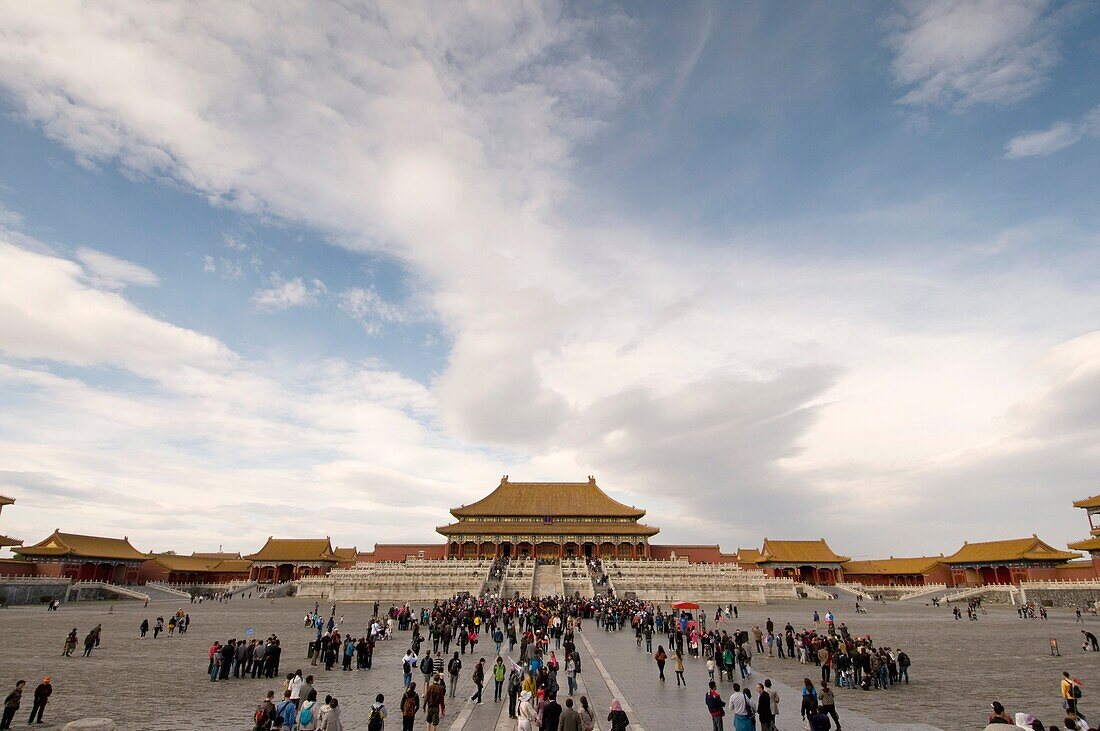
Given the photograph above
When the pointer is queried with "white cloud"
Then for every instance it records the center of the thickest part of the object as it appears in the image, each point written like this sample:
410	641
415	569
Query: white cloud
284	294
49	310
444	136
208	264
1058	136
963	52
114	273
368	308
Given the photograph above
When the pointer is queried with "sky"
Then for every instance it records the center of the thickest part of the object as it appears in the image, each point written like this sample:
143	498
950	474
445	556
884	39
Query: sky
784	269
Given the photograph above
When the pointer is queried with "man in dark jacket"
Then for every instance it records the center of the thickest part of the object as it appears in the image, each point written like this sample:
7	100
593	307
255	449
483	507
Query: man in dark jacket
716	707
265	714
41	698
551	713
764	710
11	704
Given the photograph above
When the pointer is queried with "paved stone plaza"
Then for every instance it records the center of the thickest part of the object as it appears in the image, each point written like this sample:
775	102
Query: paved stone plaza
959	667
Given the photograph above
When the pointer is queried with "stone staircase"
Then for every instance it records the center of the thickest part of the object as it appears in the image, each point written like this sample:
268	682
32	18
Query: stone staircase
548	580
518	578
923	592
83	590
989	591
856	590
813	592
160	592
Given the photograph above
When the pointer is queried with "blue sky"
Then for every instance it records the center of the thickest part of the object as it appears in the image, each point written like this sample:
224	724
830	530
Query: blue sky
772	269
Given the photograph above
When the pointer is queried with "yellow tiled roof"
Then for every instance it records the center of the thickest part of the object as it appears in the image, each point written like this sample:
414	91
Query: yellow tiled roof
799	552
1086	564
5	500
217	554
1089	544
346	554
573	499
1089	502
78	546
893	566
571	527
6	541
295	550
748	555
201	564
1015	549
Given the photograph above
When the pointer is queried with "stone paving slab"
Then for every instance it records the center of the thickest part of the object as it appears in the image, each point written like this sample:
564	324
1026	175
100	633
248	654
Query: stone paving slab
959	667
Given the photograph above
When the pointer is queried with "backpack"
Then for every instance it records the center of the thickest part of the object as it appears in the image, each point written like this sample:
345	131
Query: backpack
306	717
406	667
1076	691
260	716
454	666
375	723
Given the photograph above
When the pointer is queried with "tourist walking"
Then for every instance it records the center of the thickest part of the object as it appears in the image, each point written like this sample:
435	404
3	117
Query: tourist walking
376	716
453	669
11	704
570	719
588	718
551	714
41	697
809	697
827	703
479	680
434	703
742	708
70	644
764	708
617	717
1071	692
678	666
410	704
660	657
498	679
716	707
528	716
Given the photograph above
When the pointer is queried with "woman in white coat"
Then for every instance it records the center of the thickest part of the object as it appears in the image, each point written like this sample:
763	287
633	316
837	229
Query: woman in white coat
528	716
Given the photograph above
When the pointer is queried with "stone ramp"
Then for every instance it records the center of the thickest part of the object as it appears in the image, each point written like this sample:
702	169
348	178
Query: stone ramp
548	580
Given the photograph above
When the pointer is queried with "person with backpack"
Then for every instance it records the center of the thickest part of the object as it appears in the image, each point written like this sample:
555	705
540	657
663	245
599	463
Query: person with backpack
427	668
265	713
903	666
407	664
742	708
410	704
660	657
307	714
1071	693
454	666
286	711
376	716
716	707
479	680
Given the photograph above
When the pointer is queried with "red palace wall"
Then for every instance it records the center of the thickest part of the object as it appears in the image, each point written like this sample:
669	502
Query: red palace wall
12	567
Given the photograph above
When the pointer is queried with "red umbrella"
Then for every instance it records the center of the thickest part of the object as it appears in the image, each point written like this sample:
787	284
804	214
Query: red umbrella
685	605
